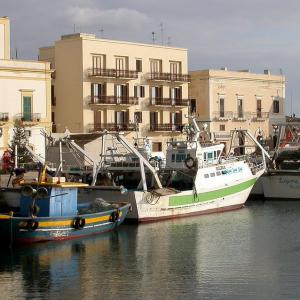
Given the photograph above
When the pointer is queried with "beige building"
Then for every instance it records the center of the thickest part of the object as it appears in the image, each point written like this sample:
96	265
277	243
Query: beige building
106	84
238	99
25	95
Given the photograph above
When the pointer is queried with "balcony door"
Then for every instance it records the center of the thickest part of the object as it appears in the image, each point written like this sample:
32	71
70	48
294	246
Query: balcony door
156	94
97	91
175	94
98	63
258	108
27	108
155	66
153	120
97	120
121	92
222	107
121	118
121	65
175	120
240	108
175	67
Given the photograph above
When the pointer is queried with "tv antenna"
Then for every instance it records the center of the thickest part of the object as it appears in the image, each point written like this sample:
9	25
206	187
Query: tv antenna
153	37
169	41
162	32
101	32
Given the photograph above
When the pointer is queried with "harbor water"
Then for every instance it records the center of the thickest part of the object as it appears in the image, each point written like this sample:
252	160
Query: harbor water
252	253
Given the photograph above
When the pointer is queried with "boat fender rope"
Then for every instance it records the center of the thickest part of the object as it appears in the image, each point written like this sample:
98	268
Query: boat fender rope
32	225
79	223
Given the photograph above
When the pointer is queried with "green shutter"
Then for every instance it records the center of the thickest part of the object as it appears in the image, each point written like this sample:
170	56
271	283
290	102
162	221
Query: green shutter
27	108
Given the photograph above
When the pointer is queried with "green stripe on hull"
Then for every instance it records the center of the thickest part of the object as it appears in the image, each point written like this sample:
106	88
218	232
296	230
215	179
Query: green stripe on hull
191	199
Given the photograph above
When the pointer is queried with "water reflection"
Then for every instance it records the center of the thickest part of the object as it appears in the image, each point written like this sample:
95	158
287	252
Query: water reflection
252	253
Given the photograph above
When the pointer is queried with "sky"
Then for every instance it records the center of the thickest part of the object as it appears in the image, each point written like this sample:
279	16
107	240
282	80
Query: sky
237	34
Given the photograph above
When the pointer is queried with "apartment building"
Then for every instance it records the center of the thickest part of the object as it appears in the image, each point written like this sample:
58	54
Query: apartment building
25	95
226	100
100	84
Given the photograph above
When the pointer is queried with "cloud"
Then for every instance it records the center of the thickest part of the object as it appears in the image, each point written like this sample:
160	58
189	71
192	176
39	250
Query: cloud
125	18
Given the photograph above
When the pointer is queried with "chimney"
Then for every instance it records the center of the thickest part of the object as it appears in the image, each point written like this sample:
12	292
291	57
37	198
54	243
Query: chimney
224	69
267	72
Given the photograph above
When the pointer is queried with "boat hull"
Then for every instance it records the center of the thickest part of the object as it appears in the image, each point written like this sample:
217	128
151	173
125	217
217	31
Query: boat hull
282	186
146	208
41	229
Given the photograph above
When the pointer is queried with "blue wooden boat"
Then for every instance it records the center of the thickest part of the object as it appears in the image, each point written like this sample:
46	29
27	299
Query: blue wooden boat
50	211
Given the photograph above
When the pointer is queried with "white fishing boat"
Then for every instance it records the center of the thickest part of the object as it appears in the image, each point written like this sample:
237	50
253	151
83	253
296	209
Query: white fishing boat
195	180
282	180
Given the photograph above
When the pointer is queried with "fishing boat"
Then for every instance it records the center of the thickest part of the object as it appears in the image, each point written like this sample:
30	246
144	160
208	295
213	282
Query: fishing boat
49	211
282	180
195	178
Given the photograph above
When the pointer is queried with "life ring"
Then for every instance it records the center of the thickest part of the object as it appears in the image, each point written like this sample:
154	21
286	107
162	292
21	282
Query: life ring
115	216
32	225
189	162
79	223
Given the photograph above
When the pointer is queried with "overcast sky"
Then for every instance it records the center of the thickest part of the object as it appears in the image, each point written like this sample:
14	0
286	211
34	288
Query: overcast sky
238	34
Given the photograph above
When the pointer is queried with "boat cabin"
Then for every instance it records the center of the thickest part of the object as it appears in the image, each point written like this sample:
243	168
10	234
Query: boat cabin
49	199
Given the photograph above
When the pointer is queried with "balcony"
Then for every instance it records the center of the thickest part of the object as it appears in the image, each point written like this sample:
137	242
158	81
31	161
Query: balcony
169	77
242	116
169	102
112	73
260	116
112	127
221	136
4	117
166	127
108	100
24	117
222	115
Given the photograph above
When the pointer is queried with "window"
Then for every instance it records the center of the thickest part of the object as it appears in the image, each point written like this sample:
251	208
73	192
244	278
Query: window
240	108
53	116
98	62
157	147
206	176
28	133
121	63
139	91
276	106
97	90
212	174
218	173
138	65
222	127
222	107
193	106
121	92
155	66
175	67
258	108
175	94
27	108
53	98
138	117
173	157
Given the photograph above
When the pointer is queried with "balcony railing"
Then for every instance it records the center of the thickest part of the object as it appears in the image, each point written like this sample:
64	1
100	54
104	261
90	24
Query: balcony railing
112	127
112	73
169	102
242	116
223	115
114	100
260	116
4	117
24	117
222	135
170	77
166	127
